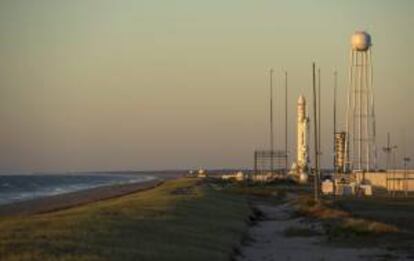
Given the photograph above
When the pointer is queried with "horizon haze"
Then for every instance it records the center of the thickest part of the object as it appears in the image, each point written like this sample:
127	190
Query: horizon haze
148	85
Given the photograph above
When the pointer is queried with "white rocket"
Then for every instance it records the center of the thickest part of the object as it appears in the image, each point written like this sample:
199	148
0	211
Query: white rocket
302	157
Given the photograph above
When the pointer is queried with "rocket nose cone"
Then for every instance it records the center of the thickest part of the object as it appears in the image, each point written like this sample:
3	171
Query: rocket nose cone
301	100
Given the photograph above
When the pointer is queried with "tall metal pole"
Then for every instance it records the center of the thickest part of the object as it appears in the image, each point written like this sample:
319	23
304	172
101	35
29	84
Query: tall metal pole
315	120
388	150
368	128
334	119
334	132
319	114
406	160
361	89
271	120
286	121
255	163
393	173
349	120
374	132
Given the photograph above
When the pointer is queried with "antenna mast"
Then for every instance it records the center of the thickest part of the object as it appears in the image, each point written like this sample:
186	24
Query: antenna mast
271	120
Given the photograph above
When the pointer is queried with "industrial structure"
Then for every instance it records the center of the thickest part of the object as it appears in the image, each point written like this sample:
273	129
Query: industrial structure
271	162
360	116
355	149
340	138
355	152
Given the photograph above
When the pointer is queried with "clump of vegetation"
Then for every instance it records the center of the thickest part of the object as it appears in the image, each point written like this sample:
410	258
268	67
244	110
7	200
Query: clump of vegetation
364	226
306	206
338	222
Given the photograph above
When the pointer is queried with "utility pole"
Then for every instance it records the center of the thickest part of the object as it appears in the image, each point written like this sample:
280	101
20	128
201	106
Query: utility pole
388	150
334	132
334	119
319	115
286	122
406	161
271	120
315	121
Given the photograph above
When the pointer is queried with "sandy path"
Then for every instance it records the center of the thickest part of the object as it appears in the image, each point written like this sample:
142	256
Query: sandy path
270	243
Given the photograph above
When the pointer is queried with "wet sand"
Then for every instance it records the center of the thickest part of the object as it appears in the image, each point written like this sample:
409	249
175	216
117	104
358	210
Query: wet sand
68	200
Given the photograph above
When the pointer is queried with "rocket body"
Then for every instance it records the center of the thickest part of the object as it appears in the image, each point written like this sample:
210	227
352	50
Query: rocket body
302	158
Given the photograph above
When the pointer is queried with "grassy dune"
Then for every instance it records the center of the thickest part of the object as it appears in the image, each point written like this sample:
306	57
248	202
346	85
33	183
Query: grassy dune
180	220
396	211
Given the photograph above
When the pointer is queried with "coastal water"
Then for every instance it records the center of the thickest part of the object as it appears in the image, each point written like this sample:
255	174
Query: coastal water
14	188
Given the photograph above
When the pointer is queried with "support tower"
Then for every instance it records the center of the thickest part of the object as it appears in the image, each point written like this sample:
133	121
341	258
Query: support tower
360	118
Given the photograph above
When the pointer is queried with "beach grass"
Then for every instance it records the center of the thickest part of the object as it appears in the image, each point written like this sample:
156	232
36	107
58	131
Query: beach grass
340	221
363	222
396	213
179	220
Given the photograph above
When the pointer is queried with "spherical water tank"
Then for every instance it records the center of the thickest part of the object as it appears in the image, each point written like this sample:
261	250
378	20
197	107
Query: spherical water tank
360	41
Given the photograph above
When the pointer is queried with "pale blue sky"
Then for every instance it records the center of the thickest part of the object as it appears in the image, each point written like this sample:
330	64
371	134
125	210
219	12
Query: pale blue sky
105	85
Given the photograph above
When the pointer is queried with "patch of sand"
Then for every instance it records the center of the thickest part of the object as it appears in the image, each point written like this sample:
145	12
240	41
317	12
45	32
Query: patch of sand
269	241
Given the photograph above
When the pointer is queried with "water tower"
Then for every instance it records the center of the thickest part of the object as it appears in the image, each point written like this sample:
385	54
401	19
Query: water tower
360	116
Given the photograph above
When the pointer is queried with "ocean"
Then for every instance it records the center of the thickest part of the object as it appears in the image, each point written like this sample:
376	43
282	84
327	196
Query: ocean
15	188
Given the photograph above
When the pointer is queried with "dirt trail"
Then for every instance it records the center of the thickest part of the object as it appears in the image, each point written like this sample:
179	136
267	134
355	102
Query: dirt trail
270	242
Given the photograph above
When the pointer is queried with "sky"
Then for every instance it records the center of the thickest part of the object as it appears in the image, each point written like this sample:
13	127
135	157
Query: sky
147	85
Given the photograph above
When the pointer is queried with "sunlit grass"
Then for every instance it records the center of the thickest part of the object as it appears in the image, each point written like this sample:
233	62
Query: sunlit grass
179	220
341	223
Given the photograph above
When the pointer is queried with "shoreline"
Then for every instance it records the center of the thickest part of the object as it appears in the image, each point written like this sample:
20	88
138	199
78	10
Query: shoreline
73	199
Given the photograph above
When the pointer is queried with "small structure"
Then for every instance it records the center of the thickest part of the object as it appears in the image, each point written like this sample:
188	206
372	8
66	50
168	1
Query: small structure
267	177
365	190
345	189
393	181
239	177
201	173
327	187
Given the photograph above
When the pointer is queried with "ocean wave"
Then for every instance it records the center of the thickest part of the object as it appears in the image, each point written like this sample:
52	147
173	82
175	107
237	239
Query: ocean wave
26	187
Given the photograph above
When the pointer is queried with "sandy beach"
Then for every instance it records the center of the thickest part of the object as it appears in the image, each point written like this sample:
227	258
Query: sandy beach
68	200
